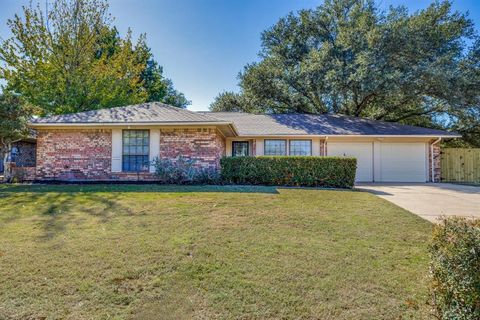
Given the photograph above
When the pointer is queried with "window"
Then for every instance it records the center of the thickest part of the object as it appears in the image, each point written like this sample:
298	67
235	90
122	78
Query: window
240	148
136	145
300	147
275	148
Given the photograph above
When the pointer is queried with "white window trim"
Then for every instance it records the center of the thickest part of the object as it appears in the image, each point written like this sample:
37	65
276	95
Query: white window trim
149	151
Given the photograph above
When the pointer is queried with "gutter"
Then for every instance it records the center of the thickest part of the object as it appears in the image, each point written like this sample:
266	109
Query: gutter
431	156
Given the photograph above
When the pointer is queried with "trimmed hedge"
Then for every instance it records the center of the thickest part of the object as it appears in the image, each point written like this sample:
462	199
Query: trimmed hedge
455	269
334	172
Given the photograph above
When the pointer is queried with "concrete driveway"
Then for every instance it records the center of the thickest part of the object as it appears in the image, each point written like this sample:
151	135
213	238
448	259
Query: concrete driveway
430	200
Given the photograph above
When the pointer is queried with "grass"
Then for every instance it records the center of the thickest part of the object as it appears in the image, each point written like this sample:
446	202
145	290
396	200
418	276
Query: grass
150	252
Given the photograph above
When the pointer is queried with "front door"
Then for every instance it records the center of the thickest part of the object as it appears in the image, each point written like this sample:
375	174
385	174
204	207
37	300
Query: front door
240	148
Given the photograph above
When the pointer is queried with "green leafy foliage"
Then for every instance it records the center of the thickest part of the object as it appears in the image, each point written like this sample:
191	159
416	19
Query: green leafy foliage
455	266
183	170
230	102
160	88
68	58
14	114
290	171
349	57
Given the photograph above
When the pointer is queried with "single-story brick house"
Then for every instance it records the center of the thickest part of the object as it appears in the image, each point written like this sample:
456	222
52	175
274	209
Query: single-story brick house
120	143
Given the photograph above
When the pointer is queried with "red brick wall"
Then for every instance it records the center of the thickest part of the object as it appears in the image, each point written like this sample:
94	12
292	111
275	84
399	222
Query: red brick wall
23	173
74	154
204	145
436	163
86	154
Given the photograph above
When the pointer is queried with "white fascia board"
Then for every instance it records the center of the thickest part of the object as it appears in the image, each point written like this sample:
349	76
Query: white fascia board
230	125
126	124
348	136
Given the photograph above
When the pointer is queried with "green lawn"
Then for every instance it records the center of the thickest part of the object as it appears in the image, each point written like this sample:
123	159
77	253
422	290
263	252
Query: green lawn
153	252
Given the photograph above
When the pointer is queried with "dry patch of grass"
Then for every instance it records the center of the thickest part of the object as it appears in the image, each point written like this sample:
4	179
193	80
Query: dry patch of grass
139	252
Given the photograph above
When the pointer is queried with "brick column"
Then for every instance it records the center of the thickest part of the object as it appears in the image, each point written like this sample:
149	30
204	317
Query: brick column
436	163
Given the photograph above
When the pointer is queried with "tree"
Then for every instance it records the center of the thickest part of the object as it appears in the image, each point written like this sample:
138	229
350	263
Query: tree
159	88
14	115
230	102
68	58
348	57
156	86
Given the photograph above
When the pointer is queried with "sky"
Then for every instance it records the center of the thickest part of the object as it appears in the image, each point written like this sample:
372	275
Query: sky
204	44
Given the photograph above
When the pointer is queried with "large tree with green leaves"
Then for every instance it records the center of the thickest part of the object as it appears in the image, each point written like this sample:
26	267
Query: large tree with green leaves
67	57
349	57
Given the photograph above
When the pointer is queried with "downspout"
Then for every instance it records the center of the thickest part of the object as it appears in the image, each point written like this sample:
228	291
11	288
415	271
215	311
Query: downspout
431	157
325	146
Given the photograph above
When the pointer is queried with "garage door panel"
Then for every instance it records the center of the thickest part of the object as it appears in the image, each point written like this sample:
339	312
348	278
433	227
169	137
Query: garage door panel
395	162
402	162
362	151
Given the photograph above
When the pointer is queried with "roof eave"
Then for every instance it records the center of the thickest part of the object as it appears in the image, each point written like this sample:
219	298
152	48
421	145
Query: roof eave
431	136
125	124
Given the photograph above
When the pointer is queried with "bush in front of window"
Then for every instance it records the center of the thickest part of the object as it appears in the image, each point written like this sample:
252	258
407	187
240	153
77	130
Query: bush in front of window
336	172
184	171
455	269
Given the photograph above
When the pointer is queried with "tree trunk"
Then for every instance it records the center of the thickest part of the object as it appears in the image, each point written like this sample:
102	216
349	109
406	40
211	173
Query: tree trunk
7	168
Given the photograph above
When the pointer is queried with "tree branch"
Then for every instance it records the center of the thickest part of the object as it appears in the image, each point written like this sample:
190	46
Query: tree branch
360	107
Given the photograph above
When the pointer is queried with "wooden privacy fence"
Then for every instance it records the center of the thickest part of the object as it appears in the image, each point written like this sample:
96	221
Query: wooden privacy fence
460	165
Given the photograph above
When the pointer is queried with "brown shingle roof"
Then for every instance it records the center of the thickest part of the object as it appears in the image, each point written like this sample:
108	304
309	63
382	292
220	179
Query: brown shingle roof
152	112
317	124
245	123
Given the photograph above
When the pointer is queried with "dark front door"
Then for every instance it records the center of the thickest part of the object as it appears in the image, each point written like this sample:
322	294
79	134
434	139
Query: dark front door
240	148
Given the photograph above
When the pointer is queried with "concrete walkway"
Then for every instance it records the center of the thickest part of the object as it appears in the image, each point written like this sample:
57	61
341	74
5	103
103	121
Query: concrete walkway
430	200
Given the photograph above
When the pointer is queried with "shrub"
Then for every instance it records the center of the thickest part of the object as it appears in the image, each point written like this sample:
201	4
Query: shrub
184	171
290	171
455	269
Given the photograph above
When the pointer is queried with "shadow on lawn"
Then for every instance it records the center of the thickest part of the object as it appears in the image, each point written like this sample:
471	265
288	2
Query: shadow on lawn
57	210
120	188
60	206
63	210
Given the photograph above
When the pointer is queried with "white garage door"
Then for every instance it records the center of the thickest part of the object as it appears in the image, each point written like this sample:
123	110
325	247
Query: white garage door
363	151
402	162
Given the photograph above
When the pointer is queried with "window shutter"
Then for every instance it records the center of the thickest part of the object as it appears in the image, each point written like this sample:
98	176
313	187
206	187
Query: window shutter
116	150
154	147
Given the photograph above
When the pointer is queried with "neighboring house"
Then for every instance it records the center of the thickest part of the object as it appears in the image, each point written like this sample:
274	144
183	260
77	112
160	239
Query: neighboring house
120	143
22	154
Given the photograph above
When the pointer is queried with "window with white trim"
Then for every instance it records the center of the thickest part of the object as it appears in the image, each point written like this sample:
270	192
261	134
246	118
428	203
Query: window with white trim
275	147
300	147
136	145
